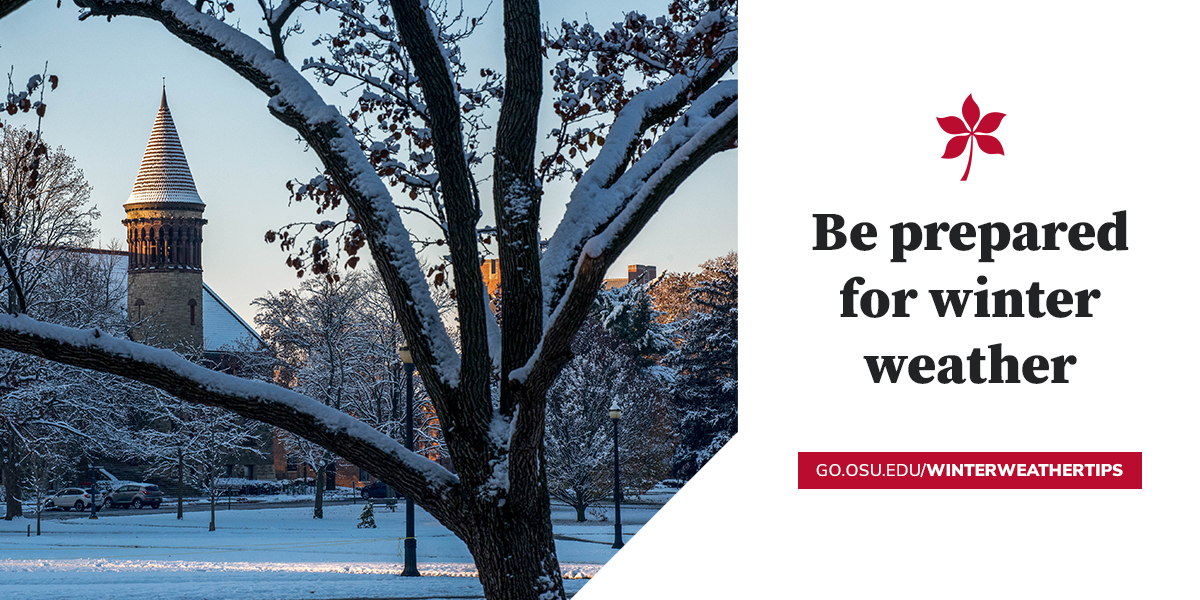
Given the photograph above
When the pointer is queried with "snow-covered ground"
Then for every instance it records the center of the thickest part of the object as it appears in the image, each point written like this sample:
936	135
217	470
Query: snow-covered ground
277	553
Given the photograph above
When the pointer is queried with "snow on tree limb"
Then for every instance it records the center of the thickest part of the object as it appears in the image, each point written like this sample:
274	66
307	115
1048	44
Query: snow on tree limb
294	101
599	196
600	222
427	482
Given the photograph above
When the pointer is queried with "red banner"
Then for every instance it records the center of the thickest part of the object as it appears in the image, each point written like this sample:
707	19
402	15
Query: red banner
970	470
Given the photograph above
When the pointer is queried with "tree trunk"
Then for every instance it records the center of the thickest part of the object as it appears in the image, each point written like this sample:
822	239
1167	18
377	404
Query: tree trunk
212	508
515	556
318	500
11	477
579	516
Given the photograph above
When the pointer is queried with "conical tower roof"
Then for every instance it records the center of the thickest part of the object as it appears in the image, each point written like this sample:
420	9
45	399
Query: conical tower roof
164	175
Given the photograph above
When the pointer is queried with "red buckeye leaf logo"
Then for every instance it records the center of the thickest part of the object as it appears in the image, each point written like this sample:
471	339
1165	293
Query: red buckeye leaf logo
970	132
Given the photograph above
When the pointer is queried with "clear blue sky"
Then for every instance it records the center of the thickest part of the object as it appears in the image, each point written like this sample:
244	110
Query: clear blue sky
110	80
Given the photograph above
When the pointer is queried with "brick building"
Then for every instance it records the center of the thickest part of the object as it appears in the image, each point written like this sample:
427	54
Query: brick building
637	273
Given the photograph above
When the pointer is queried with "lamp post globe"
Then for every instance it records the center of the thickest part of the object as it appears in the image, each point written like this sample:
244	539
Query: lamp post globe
614	413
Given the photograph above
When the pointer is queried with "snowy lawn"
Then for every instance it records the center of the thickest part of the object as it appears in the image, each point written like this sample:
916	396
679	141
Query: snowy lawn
277	553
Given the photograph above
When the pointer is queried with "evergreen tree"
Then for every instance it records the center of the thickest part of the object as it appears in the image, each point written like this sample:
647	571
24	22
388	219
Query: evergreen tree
579	444
626	313
367	519
706	361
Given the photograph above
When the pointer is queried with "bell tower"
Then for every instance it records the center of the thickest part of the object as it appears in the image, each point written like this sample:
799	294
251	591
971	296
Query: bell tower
164	217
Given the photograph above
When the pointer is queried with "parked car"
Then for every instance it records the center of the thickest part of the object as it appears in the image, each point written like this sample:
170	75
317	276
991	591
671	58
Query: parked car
76	498
136	495
378	489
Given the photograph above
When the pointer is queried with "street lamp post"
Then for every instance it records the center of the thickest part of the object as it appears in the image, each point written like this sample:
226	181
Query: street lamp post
614	412
93	492
410	536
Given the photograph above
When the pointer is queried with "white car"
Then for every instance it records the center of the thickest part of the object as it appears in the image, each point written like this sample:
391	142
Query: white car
76	498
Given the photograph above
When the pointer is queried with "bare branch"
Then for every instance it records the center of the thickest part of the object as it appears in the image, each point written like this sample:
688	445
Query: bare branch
419	30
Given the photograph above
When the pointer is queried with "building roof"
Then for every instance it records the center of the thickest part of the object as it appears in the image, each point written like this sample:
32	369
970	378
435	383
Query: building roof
223	328
164	175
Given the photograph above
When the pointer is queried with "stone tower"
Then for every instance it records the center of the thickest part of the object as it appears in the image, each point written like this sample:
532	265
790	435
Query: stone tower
164	218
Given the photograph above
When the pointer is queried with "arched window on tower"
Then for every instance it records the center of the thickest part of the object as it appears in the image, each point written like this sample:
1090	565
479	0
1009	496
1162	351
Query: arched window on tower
192	305
139	247
139	303
161	255
154	244
168	250
185	246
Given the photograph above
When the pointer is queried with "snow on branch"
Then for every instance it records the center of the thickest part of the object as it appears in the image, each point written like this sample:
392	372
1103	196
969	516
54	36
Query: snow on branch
600	222
592	214
709	115
603	72
93	349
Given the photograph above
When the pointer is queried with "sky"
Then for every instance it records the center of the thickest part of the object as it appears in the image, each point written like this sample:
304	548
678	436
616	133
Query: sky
111	77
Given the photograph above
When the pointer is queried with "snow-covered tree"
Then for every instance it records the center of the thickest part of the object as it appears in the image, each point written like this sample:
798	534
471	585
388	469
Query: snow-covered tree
39	400
628	313
367	519
337	340
45	200
381	403
44	215
48	460
579	444
194	443
706	361
641	105
317	331
669	296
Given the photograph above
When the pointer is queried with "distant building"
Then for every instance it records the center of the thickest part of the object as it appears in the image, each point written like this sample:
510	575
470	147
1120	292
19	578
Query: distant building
491	274
637	274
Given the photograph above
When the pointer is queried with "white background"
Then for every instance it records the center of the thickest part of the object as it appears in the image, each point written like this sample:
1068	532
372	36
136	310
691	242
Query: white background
839	117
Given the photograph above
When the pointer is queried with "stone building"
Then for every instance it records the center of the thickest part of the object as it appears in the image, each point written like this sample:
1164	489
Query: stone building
169	305
640	274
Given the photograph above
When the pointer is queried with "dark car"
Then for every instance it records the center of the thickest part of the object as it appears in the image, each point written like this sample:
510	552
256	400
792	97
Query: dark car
136	495
378	489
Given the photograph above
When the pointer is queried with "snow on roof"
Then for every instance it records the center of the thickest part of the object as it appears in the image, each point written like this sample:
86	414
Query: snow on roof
223	328
164	175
